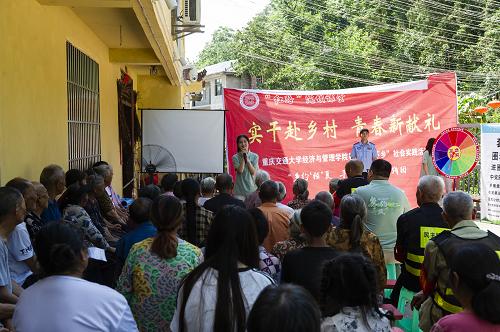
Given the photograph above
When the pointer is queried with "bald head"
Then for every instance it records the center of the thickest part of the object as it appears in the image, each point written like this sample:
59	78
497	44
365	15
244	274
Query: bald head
224	183
354	168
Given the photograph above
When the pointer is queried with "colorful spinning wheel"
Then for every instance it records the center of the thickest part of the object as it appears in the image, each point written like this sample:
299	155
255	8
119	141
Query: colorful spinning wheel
455	153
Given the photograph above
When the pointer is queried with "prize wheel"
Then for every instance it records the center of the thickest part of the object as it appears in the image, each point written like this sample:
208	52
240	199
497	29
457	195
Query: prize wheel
455	153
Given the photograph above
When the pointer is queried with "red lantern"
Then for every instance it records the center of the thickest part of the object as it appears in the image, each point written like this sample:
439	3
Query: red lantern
494	104
481	109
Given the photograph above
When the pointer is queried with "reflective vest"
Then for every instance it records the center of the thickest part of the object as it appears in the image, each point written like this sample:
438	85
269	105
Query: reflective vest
448	243
415	255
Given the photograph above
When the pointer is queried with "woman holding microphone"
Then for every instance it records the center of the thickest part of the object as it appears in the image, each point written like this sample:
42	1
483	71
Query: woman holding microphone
245	163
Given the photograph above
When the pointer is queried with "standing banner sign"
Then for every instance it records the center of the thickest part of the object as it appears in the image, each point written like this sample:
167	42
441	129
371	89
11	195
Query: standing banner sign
310	134
490	173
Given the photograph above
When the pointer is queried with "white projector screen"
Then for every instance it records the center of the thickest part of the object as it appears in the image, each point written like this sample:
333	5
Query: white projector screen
188	141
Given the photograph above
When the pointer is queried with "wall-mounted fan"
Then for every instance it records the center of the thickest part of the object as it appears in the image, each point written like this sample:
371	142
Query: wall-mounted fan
155	158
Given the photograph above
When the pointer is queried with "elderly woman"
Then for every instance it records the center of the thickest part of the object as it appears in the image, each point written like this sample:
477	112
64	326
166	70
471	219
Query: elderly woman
253	200
109	210
300	195
297	239
351	235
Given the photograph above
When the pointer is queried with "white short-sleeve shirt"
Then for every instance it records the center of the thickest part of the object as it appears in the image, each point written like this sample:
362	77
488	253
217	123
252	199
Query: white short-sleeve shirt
200	306
20	249
63	303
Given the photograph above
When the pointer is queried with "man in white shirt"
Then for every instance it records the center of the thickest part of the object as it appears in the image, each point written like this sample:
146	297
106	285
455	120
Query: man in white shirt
12	212
22	261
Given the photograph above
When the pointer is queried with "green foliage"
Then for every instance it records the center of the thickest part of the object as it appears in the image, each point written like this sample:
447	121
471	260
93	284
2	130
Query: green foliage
221	48
332	44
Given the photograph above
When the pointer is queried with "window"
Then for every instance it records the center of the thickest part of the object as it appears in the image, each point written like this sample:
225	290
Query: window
218	87
84	124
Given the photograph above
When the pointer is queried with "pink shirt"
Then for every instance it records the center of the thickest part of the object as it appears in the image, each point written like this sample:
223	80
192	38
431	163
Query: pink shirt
464	322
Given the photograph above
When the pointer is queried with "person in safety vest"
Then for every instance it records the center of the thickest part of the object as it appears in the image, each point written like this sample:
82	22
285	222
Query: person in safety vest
436	299
415	228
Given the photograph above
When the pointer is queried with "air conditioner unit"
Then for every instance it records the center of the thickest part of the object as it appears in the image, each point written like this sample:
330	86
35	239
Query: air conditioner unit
191	12
171	4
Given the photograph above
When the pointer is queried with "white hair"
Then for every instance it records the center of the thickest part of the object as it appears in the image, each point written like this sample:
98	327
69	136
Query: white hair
431	187
261	176
458	205
103	170
282	191
207	185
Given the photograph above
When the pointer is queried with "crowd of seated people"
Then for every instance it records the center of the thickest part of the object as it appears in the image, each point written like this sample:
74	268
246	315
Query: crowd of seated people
190	256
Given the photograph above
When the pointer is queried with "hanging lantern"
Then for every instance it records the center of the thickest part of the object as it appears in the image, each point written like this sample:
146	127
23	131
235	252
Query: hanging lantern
494	104
480	109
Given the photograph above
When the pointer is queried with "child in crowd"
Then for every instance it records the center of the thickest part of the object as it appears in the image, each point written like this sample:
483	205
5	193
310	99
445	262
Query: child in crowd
303	266
349	296
475	280
268	262
287	308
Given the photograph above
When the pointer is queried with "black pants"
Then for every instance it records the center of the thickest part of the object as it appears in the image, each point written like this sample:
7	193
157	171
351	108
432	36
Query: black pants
101	272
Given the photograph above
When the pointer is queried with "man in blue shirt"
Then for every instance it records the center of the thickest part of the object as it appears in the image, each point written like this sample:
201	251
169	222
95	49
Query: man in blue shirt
52	177
364	151
139	213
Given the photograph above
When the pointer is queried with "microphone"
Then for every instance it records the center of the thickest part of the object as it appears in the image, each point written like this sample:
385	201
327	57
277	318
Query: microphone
244	156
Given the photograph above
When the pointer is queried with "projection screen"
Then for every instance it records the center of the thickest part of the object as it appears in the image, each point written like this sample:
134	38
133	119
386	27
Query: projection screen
190	141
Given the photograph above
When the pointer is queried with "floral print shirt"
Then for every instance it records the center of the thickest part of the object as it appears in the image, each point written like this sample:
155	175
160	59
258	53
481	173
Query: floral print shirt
298	204
339	238
150	283
269	264
281	248
33	223
78	217
350	319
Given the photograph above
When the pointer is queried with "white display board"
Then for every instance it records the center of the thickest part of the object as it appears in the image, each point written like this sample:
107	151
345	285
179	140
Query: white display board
490	173
190	141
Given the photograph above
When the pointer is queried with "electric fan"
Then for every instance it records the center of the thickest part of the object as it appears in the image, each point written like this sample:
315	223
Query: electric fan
155	158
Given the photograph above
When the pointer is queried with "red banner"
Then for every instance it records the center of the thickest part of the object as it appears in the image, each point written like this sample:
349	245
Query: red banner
310	134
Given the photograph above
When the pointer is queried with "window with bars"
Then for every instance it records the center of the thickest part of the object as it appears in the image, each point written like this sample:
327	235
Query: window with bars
218	87
84	124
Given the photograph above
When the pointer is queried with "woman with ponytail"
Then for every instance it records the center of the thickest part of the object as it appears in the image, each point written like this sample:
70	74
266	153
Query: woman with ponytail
352	236
155	267
62	301
197	219
475	281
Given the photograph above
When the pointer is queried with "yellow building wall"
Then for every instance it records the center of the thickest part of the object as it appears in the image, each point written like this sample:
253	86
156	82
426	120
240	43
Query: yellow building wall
157	92
33	100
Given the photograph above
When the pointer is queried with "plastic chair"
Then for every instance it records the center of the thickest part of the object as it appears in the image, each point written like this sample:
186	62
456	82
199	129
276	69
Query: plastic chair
391	275
409	323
